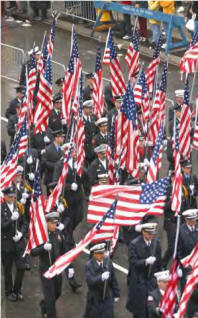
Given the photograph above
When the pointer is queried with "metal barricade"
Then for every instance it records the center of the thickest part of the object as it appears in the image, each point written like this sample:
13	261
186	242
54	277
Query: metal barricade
12	59
80	9
58	70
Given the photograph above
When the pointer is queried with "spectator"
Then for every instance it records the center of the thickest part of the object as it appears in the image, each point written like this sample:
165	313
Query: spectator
154	5
127	22
142	21
37	6
168	8
193	10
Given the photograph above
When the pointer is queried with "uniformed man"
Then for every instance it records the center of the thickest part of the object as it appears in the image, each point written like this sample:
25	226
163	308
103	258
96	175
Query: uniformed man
99	165
22	80
3	151
177	109
102	284
101	137
13	228
12	124
11	110
48	253
87	92
144	261
189	186
51	156
41	140
155	295
59	84
55	121
179	100
114	111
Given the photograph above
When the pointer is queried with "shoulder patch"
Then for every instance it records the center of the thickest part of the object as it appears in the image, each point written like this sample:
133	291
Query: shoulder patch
150	298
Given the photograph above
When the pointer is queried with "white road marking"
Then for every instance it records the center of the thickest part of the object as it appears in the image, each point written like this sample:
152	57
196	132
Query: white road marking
9	78
4	119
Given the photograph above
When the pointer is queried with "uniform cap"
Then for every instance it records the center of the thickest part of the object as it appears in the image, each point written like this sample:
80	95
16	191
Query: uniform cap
59	81
89	75
57	133
118	98
9	191
20	170
19	89
101	122
102	175
98	248
57	97
52	217
177	107
186	164
88	103
101	148
162	276
190	214
150	227
35	50
179	93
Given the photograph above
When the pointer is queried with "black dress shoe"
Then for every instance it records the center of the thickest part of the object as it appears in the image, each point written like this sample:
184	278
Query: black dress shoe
74	285
20	296
12	297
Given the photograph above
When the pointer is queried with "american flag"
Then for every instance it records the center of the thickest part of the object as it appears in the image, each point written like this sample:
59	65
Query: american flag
50	45
43	57
97	233
132	57
23	109
195	136
191	284
37	233
9	165
189	62
44	105
116	76
192	259
31	88
111	152
152	68
155	162
98	93
168	300
106	56
185	124
134	202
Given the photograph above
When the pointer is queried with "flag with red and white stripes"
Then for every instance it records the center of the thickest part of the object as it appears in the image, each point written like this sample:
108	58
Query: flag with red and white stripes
132	57
43	56
117	80
98	93
37	232
189	61
191	284
106	56
168	300
192	259
97	233
195	136
50	45
185	124
134	202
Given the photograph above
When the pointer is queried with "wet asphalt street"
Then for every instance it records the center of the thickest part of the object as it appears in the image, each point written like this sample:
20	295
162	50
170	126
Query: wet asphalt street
69	305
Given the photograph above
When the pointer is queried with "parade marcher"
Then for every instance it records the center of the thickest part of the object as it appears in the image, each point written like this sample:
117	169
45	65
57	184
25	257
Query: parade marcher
59	84
144	261
179	100
99	165
55	121
22	79
177	109
48	253
12	124
102	284
11	110
3	151
51	156
189	186
72	191
114	111
88	90
101	138
109	99
13	228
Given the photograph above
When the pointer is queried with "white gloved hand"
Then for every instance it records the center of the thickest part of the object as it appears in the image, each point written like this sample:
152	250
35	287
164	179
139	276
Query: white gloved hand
192	187
165	141
47	246
60	226
23	201
105	275
29	160
179	272
31	176
43	151
149	143
74	186
63	121
17	236
61	208
46	139
70	272
116	299
138	227
146	162
15	216
25	195
150	260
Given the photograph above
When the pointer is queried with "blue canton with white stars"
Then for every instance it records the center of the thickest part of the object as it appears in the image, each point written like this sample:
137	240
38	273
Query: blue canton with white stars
151	192
142	82
98	65
111	46
163	84
158	48
37	190
48	70
128	106
80	110
158	144
109	215
135	38
75	46
44	49
32	64
194	39
186	93
111	137
52	33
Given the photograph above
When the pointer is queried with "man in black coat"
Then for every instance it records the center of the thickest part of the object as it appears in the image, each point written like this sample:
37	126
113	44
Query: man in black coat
51	156
102	284
11	110
114	111
98	166
3	151
144	261
88	90
189	186
13	228
22	80
101	137
179	100
48	253
55	120
12	124
177	109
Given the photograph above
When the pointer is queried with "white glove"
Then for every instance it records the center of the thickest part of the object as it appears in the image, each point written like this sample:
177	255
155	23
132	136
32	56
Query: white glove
165	141
25	195
179	272
29	160
60	226
43	151
61	208
146	162
63	121
70	272
105	275
74	186
138	227
149	143
17	236
23	201
150	260
31	176
46	139
116	299
47	246
192	187
63	147
15	216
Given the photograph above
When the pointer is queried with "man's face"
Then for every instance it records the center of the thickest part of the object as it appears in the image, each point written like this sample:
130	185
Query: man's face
103	129
87	111
58	105
59	140
147	236
51	226
179	100
9	198
117	104
18	178
162	285
178	113
101	155
90	82
19	95
99	256
37	56
191	222
186	170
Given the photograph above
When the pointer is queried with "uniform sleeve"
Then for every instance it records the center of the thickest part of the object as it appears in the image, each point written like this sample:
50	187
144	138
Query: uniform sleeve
11	127
151	306
92	175
5	222
133	258
38	250
91	278
114	283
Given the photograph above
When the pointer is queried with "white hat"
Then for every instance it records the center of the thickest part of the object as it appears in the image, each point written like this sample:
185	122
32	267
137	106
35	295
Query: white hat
190	214
101	148
102	121
179	93
88	103
164	276
150	227
102	175
36	50
98	248
20	169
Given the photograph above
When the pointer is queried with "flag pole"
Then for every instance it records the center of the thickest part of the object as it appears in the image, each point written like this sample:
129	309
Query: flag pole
193	82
